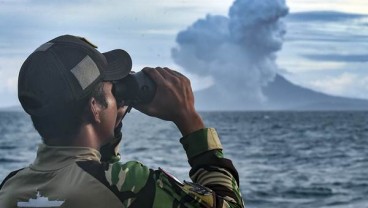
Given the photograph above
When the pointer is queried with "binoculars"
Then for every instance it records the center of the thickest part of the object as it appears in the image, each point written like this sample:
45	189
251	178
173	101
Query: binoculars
136	88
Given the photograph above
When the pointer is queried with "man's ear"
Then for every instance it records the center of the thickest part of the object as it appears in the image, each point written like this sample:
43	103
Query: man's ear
95	109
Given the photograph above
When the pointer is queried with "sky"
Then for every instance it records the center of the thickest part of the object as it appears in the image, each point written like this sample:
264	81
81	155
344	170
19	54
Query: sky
325	47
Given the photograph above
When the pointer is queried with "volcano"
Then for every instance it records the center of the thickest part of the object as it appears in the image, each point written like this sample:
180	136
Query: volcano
280	94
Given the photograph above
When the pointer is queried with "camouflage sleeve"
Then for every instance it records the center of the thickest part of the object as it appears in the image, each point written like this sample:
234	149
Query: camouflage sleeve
215	180
211	169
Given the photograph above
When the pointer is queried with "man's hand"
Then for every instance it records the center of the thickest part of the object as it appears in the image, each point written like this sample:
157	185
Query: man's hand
174	100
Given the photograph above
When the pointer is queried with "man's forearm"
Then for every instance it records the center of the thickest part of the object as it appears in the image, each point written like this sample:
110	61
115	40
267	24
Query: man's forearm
210	168
189	123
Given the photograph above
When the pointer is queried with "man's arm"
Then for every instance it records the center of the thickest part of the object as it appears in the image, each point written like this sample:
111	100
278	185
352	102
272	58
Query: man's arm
211	169
174	101
215	180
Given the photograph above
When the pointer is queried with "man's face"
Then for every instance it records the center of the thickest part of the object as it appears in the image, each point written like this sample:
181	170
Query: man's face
112	115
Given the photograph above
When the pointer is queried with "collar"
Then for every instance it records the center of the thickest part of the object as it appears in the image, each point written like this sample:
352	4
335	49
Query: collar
56	157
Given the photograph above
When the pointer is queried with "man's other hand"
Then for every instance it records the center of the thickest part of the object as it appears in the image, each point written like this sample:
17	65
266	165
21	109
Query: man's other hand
174	100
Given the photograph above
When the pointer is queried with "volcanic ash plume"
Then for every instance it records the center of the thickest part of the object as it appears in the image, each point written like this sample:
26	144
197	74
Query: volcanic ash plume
237	51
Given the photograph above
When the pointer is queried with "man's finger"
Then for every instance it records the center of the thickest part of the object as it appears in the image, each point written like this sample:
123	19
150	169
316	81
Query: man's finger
154	74
168	75
173	72
177	74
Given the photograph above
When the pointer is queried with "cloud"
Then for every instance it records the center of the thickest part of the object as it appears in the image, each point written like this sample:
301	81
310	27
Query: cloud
9	80
326	27
296	65
324	16
345	84
238	51
133	25
337	57
327	51
146	29
335	43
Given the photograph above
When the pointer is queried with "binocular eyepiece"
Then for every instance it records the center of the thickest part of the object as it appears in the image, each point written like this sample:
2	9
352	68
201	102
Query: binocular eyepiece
136	88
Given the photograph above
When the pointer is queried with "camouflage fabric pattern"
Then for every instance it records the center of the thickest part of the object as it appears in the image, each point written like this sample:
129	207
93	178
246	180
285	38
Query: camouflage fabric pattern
215	179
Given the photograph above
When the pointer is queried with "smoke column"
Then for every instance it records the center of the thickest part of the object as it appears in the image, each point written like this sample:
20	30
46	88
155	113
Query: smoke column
237	51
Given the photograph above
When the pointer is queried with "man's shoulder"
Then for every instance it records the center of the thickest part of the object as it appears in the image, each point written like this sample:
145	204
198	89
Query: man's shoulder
11	175
127	176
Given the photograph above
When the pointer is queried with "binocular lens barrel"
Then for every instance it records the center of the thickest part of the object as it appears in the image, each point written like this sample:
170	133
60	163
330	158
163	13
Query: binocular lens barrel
136	88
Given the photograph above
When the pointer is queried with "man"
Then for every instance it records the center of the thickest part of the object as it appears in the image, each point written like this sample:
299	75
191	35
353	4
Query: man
66	87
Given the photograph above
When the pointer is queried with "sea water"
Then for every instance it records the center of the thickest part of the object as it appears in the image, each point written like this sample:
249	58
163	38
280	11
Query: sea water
284	159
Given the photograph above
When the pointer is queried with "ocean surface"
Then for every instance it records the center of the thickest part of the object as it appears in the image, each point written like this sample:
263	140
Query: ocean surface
284	159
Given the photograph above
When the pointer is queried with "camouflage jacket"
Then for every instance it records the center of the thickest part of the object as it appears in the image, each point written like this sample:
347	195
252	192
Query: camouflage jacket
75	177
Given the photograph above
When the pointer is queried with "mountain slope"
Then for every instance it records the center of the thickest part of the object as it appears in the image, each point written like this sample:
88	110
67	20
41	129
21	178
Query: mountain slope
281	95
284	95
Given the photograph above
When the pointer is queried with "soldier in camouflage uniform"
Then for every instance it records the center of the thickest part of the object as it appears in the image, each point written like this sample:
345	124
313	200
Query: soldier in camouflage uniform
65	86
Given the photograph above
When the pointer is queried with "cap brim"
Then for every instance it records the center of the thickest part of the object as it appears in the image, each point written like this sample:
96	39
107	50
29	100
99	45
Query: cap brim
119	65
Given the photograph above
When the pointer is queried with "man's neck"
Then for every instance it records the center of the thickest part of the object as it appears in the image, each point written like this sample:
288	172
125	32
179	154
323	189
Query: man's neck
86	137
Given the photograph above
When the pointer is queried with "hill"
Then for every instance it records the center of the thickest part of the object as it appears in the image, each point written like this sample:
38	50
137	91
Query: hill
281	94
